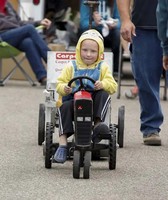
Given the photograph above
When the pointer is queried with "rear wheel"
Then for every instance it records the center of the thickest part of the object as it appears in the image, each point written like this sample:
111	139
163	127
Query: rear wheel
121	115
41	124
48	144
112	148
76	164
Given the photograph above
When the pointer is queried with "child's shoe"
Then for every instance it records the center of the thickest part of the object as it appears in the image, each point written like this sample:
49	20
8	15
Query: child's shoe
99	128
60	155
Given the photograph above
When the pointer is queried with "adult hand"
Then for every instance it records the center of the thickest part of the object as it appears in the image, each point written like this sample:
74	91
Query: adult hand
127	30
165	62
46	22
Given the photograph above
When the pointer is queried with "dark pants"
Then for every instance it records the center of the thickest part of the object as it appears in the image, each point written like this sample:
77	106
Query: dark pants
101	100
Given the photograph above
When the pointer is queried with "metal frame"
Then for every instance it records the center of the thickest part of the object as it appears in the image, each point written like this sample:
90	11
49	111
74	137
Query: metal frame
11	52
17	66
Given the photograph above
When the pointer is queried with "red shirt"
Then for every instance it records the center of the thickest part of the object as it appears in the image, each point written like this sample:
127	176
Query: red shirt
2	6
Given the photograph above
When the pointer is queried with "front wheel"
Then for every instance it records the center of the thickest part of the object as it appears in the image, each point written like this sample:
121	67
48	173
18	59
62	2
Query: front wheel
76	164
87	164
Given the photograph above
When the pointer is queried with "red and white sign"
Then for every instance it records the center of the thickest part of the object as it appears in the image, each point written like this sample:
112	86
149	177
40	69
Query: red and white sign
57	60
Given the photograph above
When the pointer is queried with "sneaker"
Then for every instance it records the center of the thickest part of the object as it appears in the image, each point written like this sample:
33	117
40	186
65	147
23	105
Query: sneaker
60	155
132	93
152	139
99	128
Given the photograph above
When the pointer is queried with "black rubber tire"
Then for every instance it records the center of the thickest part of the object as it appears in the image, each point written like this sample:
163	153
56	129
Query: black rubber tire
121	116
87	164
48	145
112	148
76	164
41	124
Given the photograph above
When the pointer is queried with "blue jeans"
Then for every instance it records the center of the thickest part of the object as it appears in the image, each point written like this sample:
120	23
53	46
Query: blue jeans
27	39
147	70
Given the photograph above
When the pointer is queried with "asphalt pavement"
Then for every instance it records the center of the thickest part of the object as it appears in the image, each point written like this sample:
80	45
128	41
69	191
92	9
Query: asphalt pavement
141	171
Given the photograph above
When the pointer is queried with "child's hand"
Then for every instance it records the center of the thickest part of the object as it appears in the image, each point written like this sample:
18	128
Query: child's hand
98	85
67	89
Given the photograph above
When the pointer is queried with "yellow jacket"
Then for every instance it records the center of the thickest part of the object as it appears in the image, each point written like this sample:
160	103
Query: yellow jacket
108	82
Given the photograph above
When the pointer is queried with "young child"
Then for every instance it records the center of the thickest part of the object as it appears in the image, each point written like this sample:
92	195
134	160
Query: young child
89	52
162	24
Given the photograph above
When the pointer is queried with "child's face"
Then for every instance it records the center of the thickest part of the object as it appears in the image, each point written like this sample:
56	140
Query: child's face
89	51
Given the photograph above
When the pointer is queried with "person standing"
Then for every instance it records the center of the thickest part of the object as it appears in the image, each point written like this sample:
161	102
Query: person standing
140	29
102	13
162	24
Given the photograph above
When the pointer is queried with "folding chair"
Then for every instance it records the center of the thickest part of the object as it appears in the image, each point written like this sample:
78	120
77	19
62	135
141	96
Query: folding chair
8	51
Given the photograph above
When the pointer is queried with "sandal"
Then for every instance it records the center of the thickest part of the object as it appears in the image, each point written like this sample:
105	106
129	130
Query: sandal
100	128
60	155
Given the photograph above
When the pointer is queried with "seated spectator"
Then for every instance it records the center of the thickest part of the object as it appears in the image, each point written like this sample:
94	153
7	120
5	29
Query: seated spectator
23	36
110	32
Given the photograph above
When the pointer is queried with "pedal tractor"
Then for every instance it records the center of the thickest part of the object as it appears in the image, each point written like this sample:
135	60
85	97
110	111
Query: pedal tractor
82	148
83	117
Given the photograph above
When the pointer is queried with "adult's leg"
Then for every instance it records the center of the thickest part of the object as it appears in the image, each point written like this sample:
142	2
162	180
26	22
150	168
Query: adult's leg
33	56
15	36
147	70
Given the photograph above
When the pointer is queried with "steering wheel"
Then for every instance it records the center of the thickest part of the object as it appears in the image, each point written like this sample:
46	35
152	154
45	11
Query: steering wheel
81	87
